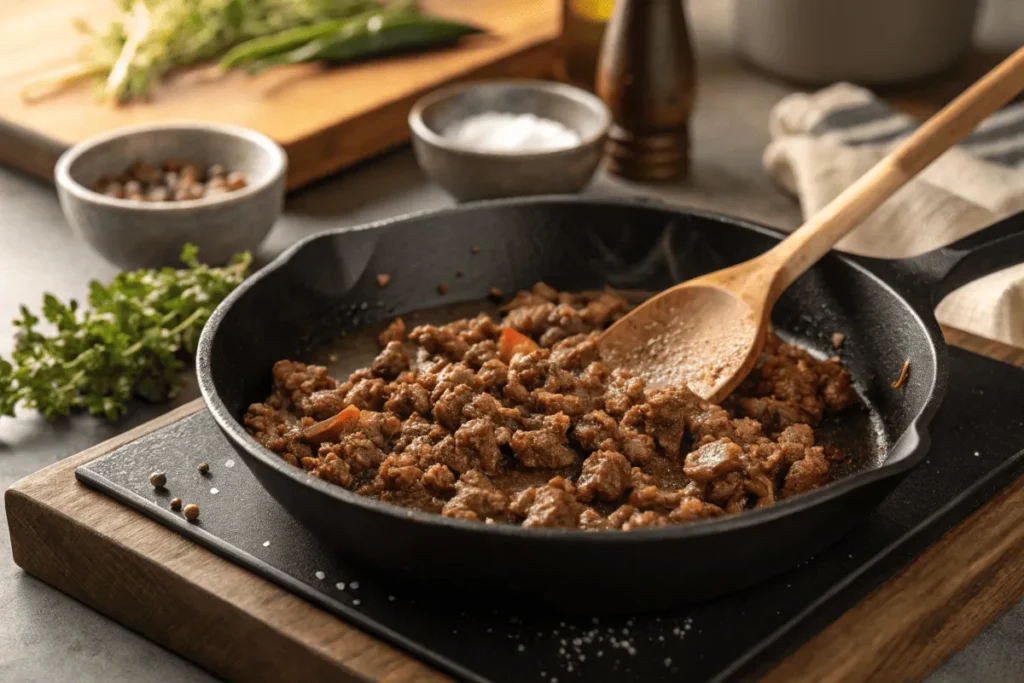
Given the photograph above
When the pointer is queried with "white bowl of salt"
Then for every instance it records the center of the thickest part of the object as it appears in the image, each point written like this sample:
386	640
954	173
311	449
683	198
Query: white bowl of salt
509	138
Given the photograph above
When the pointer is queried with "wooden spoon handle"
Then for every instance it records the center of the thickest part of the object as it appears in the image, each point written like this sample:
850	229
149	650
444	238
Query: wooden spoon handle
813	239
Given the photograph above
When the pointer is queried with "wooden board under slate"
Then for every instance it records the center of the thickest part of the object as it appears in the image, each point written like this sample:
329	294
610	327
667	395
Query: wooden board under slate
179	594
325	119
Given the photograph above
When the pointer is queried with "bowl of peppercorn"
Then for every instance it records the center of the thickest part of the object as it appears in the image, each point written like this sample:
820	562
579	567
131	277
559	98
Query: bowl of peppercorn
137	195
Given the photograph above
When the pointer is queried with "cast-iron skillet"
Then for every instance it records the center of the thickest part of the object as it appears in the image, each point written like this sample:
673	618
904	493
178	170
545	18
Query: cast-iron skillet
326	284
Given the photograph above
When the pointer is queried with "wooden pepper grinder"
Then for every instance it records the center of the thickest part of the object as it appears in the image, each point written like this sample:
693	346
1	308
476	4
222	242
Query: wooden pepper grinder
646	76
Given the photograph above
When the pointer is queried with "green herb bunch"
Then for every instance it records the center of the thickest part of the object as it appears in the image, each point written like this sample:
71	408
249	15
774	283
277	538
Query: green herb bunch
151	37
130	341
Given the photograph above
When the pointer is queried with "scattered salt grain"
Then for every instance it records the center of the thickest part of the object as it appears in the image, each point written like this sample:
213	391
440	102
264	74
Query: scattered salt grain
266	544
355	602
214	491
229	464
340	585
502	132
354	585
320	575
521	647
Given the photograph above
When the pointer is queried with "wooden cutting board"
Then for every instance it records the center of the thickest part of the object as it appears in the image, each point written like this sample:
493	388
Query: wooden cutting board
326	119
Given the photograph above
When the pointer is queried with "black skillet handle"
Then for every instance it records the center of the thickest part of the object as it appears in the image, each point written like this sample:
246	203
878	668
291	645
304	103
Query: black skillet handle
943	270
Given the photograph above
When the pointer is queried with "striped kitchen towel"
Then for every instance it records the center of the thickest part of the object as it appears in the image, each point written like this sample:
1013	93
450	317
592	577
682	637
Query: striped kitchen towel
824	141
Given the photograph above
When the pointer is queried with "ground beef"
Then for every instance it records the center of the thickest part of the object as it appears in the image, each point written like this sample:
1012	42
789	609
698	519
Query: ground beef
553	505
394	332
476	441
439	340
492	375
808	473
448	408
333	469
605	476
475	498
446	426
639	448
530	320
624	391
691	509
408	398
713	460
575	352
545	447
481	353
665	415
367	394
391	362
378	427
792	387
646	518
452	376
439	479
594	429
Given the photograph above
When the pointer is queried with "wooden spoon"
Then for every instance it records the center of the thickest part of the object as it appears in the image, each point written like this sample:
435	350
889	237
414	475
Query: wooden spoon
707	333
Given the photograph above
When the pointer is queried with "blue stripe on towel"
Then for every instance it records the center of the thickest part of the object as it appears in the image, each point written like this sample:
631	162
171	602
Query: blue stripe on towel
846	118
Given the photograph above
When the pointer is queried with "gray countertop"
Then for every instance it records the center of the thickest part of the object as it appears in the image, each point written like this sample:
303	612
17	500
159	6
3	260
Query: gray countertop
46	636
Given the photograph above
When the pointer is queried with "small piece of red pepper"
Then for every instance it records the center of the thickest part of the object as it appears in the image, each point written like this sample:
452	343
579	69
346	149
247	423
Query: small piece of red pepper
333	427
513	342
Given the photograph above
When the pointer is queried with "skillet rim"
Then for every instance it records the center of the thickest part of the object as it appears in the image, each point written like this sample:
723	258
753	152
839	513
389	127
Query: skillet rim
909	449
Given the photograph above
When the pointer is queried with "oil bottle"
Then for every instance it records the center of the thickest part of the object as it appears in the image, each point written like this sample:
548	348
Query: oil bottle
583	25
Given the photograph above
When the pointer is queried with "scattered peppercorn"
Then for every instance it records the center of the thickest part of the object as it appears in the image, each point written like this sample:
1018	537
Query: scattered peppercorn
191	512
175	503
475	249
158	480
204	467
383	280
458	273
442	288
174	181
495	293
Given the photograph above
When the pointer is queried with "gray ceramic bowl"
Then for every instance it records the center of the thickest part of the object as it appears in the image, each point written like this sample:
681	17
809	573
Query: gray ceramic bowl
469	173
136	234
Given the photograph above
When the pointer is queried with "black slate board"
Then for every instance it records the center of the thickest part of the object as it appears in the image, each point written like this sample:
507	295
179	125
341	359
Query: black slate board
977	439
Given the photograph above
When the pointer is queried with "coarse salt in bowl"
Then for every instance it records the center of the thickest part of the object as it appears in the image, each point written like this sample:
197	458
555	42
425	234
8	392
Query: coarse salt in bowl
500	131
509	138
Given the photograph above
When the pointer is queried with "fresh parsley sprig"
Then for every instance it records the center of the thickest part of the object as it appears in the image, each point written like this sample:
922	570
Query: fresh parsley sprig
131	340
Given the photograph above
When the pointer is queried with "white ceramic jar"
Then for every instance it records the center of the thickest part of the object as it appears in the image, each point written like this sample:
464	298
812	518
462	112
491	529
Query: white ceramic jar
871	42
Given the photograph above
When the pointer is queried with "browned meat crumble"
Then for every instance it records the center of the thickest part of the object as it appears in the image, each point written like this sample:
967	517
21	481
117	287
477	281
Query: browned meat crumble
523	424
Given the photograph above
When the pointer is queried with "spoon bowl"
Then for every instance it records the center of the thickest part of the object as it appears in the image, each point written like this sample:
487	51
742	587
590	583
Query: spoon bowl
699	335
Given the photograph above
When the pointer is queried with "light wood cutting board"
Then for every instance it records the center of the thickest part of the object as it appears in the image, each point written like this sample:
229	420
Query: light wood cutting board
326	119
